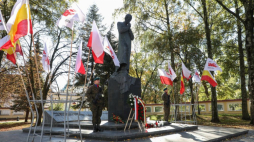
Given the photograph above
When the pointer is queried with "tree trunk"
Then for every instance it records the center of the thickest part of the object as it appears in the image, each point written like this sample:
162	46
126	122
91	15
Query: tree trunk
245	114
27	113
1	57
250	51
215	117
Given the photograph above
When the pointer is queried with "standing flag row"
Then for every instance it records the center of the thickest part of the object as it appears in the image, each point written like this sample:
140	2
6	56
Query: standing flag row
186	73
45	59
210	66
196	77
95	43
79	67
2	23
108	49
72	14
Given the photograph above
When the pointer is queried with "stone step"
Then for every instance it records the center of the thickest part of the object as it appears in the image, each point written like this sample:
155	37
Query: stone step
120	134
104	124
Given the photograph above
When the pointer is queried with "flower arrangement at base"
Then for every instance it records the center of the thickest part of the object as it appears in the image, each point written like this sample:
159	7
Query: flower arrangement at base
117	119
139	106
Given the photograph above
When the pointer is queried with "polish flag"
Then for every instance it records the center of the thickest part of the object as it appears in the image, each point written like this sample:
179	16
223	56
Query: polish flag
45	59
165	77
79	68
95	42
108	49
186	72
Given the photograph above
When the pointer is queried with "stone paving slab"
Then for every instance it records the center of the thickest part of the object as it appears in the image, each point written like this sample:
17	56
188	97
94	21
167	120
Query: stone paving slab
118	135
194	136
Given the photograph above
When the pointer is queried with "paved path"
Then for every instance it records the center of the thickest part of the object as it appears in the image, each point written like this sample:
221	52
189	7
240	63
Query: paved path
203	134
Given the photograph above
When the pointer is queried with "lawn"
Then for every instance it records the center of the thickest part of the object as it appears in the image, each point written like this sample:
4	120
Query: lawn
8	126
226	120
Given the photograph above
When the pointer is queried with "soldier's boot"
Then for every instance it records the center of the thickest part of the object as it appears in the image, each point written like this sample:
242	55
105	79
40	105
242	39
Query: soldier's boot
94	128
99	128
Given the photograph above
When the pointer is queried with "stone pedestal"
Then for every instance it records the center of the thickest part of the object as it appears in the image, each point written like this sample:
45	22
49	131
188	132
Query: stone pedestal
120	85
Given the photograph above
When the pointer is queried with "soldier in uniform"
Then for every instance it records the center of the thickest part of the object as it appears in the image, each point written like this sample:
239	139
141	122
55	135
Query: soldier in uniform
166	99
96	103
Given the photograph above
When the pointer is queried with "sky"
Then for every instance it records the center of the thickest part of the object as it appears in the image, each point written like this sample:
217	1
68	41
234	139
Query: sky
106	9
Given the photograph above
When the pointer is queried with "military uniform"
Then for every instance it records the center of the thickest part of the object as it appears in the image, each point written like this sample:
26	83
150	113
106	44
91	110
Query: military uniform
96	103
166	99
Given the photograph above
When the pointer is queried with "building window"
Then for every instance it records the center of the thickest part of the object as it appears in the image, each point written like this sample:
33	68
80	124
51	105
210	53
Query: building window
148	109
235	107
220	107
5	112
157	109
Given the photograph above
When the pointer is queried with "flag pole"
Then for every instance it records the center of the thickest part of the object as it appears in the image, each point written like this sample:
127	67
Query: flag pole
70	104
31	91
42	106
82	101
23	82
87	68
67	88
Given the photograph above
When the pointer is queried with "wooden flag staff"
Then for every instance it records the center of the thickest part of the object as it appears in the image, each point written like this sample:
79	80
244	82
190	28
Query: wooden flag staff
25	92
37	115
67	88
42	106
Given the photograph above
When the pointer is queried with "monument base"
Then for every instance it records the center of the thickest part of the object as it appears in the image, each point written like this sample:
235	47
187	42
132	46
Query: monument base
120	85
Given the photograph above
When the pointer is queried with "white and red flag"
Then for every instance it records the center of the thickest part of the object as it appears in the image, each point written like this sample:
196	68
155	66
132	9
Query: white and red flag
79	67
2	23
171	72
74	13
196	77
45	59
95	42
108	49
165	77
211	65
186	72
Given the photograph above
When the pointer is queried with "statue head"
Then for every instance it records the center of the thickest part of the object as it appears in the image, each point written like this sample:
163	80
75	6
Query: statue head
128	18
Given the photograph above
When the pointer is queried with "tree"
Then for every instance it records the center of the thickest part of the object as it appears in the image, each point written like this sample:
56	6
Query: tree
247	21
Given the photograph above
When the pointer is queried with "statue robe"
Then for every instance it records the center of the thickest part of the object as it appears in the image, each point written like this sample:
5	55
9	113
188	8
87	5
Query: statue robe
124	47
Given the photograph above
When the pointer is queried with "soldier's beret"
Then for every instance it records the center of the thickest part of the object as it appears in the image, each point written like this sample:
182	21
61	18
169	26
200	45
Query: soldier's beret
165	89
96	78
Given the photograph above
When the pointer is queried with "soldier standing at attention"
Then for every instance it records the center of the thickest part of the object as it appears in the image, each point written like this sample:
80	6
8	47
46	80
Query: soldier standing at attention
96	103
166	99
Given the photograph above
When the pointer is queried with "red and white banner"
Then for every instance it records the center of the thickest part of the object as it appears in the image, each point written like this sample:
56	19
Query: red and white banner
186	72
108	49
45	59
79	68
136	108
95	42
165	77
211	65
171	72
196	77
74	13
